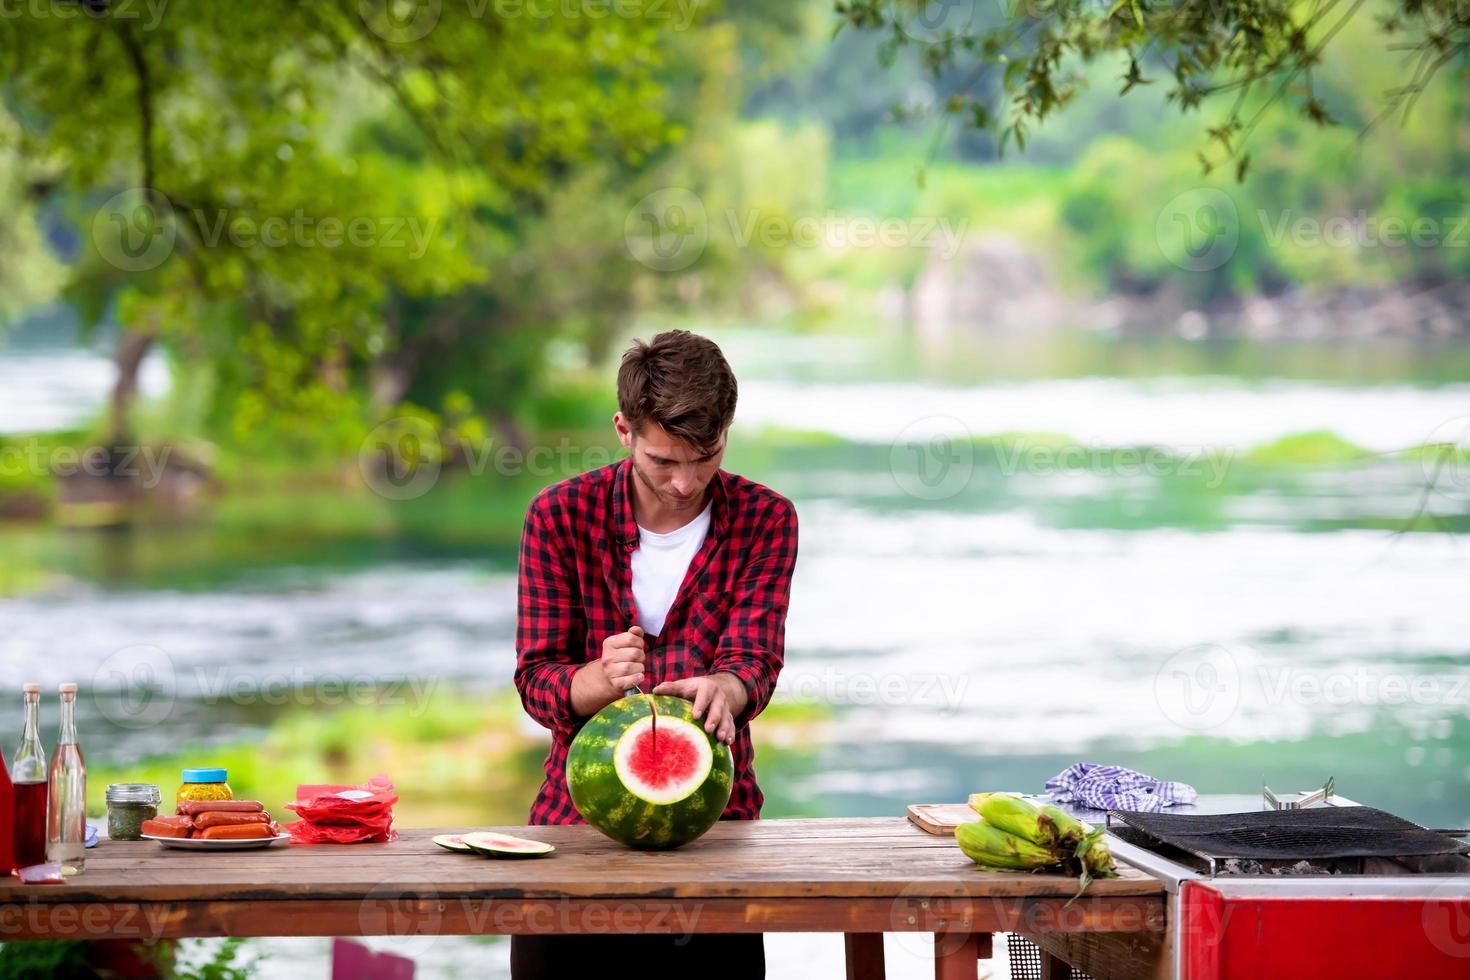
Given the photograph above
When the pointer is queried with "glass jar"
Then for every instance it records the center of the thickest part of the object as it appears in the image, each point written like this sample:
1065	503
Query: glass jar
205	784
128	805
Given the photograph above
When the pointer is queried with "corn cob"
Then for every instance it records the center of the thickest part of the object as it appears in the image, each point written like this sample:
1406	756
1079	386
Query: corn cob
977	800
1097	858
992	847
1061	827
1014	815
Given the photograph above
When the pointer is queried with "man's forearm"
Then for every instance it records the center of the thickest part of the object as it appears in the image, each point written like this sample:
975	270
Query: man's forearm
736	697
591	691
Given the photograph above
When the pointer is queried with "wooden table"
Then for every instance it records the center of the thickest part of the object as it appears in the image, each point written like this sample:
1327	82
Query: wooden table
860	877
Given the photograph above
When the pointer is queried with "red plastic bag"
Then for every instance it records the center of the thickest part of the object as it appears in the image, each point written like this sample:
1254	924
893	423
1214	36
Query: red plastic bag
332	814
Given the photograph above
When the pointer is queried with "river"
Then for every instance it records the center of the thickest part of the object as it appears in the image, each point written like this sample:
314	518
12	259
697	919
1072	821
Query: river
1166	587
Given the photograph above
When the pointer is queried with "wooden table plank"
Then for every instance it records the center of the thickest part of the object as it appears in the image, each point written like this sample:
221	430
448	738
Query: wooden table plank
388	915
884	858
862	877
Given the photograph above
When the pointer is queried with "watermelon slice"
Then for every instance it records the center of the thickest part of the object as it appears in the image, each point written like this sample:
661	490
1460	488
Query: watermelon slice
453	842
647	787
505	846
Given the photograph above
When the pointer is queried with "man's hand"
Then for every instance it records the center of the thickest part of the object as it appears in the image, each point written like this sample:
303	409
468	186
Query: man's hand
601	682
718	699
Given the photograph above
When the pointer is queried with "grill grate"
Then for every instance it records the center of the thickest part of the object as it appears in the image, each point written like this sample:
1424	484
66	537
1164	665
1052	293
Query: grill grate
1318	833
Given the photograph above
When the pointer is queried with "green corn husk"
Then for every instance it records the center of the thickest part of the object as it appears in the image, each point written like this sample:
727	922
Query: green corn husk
1095	859
1062	828
992	847
1014	815
977	800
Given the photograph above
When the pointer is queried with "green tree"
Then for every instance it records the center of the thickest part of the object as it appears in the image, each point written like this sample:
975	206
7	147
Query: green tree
219	157
1244	55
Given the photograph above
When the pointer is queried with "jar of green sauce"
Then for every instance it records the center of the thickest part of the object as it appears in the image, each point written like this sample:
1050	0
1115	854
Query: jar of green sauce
128	805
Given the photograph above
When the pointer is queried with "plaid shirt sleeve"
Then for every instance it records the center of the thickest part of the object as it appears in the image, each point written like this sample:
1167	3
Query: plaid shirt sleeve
753	644
550	625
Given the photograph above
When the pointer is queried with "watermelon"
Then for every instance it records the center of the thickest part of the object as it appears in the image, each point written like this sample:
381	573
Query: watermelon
505	846
648	788
453	842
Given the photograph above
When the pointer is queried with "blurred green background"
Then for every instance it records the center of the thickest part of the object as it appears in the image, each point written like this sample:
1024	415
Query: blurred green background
1097	456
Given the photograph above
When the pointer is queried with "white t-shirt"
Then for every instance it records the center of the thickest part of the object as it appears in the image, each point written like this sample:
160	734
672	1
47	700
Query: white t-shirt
659	565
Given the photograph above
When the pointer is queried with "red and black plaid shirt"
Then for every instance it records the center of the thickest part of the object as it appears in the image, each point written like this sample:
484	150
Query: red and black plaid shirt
576	590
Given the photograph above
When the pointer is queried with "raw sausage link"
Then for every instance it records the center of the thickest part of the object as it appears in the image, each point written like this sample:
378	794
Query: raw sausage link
191	807
174	827
241	831
215	818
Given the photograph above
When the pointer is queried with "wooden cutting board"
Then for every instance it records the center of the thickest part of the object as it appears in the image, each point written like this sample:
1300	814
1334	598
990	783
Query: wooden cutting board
941	818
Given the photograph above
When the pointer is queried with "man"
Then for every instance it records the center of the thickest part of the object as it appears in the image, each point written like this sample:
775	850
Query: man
664	572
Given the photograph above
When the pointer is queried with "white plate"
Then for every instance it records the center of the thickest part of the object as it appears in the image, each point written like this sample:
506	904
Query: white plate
200	844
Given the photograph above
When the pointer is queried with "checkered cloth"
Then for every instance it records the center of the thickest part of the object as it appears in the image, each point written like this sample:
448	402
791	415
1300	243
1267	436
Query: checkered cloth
1115	788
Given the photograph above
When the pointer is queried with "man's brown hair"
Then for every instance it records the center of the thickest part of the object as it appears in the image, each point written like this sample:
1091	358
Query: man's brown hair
682	382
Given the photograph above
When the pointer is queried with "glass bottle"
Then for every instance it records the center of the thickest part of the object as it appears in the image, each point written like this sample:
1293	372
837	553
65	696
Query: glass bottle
29	776
66	808
7	821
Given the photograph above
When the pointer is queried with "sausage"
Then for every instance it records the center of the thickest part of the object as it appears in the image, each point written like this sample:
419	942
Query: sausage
168	826
216	818
239	831
191	807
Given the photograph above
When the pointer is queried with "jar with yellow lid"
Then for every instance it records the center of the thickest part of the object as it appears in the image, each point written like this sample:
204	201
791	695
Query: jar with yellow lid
205	784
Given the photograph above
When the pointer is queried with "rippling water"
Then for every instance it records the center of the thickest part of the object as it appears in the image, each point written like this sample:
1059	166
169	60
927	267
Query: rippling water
1264	621
61	388
1182	413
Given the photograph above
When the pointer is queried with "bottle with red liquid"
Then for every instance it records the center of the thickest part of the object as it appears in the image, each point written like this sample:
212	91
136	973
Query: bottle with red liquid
29	777
7	821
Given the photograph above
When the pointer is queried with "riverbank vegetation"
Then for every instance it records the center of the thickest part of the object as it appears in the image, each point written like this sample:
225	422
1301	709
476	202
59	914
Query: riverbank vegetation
775	171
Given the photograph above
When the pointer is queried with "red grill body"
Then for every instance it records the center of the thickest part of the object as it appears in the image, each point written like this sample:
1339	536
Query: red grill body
1224	935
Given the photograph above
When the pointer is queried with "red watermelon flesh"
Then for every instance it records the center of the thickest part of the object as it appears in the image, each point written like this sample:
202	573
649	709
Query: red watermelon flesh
645	790
660	763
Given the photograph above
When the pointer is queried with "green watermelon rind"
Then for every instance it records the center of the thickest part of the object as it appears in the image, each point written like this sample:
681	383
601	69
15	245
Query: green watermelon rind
453	842
540	849
605	803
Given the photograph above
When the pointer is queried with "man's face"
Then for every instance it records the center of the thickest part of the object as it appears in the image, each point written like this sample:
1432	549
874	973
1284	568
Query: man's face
674	471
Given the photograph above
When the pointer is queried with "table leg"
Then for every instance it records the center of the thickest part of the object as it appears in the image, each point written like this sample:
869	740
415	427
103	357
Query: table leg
864	955
1054	967
958	958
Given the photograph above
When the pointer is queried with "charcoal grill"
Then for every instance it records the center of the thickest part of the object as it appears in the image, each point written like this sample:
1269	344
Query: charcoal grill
1395	913
1325	833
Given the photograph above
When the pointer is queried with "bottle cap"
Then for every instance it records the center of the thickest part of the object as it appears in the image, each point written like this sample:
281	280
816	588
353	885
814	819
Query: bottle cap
31	688
67	688
204	776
